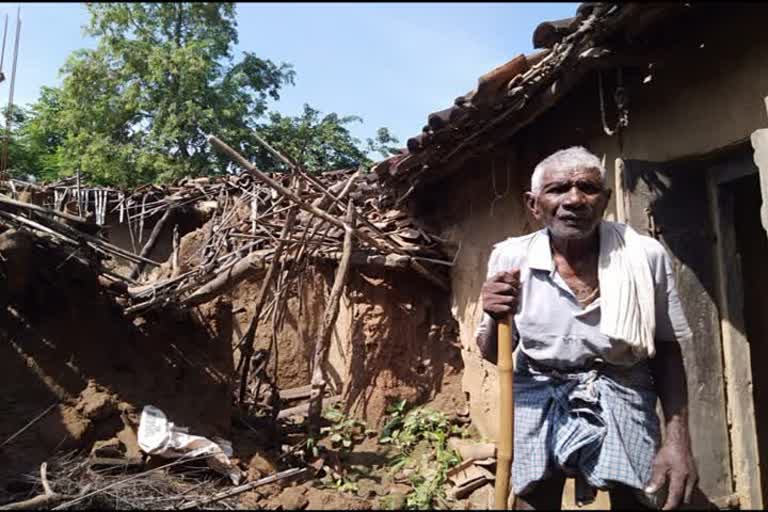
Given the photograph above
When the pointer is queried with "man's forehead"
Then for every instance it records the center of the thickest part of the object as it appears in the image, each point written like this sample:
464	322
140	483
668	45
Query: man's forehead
567	173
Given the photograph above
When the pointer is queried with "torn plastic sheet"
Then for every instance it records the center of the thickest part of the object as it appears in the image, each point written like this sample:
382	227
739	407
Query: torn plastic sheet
158	436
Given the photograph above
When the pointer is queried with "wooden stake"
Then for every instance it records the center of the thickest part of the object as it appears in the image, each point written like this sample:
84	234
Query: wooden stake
329	320
243	488
506	436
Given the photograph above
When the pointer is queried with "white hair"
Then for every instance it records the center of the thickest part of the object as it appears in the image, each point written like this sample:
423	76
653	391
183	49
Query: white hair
576	157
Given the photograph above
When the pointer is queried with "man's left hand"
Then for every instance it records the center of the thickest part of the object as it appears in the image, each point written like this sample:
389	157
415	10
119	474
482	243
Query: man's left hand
674	462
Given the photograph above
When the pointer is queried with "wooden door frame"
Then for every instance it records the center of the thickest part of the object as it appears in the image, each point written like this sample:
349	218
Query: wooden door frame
737	362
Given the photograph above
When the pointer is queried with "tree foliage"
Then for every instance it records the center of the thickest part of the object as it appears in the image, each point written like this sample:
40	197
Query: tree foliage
34	146
321	143
138	107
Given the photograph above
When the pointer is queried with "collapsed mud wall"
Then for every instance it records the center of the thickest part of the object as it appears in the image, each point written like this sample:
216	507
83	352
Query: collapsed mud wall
394	337
73	352
64	341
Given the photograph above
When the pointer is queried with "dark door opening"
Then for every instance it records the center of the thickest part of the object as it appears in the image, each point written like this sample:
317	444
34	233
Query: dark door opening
752	251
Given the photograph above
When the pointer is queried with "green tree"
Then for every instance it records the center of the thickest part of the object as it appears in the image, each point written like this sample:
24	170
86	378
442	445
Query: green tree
319	143
36	137
137	108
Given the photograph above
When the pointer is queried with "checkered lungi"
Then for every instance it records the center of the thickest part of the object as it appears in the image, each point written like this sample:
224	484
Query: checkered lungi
598	425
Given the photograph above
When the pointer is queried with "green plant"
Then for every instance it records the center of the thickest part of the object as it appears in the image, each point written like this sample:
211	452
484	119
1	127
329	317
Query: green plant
408	430
343	432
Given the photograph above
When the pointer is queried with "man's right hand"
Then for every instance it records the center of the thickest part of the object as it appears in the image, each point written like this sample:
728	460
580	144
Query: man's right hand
500	294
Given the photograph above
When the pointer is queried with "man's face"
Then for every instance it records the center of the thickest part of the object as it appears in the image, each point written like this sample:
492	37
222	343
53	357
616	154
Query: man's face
570	202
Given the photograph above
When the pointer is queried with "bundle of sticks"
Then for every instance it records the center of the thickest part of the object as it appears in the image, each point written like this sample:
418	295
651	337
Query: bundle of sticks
252	216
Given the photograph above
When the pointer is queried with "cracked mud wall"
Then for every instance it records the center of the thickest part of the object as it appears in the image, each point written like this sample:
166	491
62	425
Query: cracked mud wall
395	339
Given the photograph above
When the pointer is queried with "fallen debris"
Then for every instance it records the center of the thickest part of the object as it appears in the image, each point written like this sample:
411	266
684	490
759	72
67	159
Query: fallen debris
158	436
286	226
48	497
283	475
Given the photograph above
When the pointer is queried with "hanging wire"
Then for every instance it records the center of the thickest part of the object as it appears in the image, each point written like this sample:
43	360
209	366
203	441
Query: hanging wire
621	100
496	195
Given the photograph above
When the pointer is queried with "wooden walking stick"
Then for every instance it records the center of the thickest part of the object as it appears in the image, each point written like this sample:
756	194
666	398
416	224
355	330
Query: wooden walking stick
505	442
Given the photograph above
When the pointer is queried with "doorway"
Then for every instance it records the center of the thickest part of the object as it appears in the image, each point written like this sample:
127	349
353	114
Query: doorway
752	253
742	249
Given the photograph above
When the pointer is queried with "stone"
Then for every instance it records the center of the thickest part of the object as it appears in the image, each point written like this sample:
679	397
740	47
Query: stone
293	498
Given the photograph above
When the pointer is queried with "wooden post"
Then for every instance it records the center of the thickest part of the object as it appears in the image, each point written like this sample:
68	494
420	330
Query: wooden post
329	320
506	435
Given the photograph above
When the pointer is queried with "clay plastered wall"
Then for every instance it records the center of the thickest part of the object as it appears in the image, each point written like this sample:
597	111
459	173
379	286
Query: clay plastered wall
296	334
394	339
482	213
706	98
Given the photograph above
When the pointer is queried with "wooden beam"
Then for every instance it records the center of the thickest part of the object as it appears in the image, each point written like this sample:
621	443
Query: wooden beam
295	393
227	279
47	211
737	361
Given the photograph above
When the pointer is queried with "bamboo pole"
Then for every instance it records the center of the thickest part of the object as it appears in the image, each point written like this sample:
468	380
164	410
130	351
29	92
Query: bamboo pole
506	435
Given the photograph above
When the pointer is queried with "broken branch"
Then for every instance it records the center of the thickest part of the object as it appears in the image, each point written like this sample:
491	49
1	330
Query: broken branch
243	488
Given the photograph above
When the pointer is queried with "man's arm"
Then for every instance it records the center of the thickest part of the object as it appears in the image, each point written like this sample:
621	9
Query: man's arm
487	339
499	297
675	459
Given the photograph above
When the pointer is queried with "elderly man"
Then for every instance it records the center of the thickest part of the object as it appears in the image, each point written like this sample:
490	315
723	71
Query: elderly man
599	322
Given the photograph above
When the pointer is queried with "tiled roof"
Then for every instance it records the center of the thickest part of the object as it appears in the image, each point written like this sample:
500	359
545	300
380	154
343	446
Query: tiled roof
516	92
